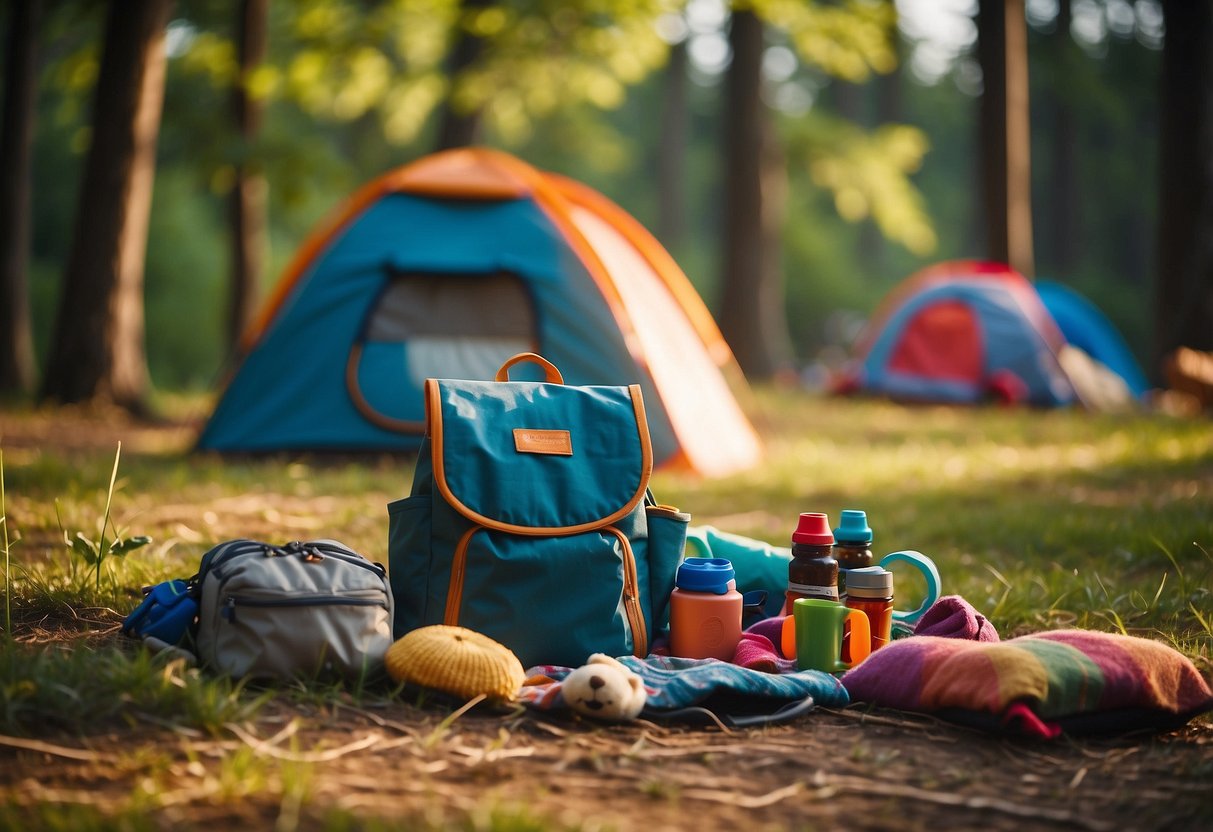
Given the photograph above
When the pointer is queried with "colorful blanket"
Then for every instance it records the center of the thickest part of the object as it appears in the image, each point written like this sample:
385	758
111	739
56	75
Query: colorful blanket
675	684
1072	681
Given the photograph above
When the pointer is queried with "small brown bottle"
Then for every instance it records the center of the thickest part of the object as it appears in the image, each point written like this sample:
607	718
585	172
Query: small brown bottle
852	545
813	572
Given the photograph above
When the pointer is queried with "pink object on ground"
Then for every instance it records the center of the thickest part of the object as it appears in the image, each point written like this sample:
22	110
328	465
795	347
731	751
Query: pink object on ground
954	617
757	652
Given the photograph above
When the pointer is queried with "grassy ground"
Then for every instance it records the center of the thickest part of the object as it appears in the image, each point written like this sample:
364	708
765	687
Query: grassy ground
1041	519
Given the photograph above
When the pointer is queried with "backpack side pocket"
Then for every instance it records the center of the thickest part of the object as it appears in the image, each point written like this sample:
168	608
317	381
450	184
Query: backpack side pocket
409	522
667	540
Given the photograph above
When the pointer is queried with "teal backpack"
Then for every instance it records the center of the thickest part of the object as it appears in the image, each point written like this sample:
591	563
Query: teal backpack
530	519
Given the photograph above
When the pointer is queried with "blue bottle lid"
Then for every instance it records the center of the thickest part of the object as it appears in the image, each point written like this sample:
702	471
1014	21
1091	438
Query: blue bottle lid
853	527
705	575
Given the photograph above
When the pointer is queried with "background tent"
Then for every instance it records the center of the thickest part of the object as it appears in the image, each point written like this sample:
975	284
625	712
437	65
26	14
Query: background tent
963	331
1087	328
445	268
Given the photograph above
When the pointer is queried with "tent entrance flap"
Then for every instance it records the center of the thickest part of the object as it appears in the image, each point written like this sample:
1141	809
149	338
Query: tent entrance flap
942	340
436	325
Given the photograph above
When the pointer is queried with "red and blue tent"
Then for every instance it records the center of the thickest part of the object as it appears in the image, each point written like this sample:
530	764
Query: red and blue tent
963	331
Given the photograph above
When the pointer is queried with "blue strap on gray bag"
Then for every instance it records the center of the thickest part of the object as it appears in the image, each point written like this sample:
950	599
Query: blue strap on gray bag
168	612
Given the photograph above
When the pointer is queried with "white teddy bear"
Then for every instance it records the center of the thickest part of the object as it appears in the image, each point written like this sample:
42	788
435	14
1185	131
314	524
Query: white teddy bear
604	689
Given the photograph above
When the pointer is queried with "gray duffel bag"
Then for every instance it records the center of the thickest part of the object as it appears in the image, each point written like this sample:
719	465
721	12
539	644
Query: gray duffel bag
307	610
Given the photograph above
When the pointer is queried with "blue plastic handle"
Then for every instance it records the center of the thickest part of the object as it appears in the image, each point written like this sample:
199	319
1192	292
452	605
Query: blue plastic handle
929	573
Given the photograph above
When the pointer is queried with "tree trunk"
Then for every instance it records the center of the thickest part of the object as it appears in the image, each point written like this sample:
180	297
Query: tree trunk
1064	228
16	150
97	352
248	197
672	149
889	104
1002	46
458	127
751	312
1183	314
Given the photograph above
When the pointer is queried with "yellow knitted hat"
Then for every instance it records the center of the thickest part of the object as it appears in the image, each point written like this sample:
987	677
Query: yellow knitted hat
455	660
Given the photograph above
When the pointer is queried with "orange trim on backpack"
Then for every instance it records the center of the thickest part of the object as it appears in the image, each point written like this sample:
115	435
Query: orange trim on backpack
433	408
631	596
454	587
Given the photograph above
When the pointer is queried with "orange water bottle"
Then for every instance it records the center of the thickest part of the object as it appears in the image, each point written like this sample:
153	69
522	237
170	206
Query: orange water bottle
705	610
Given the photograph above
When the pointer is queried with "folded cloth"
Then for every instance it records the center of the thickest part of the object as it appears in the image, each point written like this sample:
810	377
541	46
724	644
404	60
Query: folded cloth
757	652
954	617
772	630
1071	681
673	683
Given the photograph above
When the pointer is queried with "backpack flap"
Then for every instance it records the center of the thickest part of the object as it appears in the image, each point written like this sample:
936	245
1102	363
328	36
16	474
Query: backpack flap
537	458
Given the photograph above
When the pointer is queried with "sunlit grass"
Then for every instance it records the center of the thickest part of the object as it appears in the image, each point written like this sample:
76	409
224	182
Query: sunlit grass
76	691
1041	519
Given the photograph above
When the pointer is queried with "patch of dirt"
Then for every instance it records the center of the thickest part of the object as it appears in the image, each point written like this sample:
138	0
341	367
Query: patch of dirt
91	428
302	765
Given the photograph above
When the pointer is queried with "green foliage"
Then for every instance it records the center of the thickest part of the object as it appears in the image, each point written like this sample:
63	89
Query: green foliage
350	89
540	57
347	61
85	690
351	61
70	817
868	174
95	552
848	40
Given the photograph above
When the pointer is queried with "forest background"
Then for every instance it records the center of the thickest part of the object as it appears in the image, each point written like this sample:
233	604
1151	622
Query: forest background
874	151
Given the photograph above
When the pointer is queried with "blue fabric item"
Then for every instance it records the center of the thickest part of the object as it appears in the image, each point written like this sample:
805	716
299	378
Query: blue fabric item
488	475
167	612
674	683
1086	327
682	682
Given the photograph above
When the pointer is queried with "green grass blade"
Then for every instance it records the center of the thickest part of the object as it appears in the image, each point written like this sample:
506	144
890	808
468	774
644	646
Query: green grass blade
8	594
109	497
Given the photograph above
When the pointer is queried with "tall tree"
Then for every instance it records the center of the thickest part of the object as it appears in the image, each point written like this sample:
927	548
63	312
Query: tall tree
751	311
97	351
847	40
1002	46
672	148
1064	228
16	149
1183	305
248	197
459	121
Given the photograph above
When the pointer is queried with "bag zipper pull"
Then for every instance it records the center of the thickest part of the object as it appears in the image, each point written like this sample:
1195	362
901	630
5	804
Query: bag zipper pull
229	608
